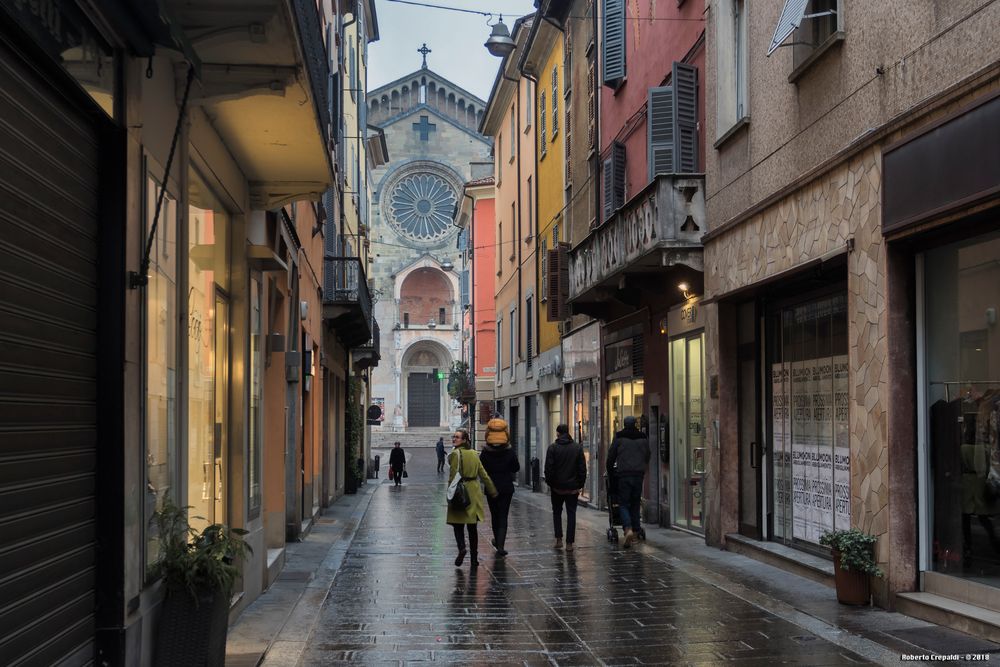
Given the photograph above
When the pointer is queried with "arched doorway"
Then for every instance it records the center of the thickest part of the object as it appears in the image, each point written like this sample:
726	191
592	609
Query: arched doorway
424	366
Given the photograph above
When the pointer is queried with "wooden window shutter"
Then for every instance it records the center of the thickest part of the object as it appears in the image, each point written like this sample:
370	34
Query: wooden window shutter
558	283
618	175
685	85
606	176
591	105
545	270
660	130
613	38
541	120
555	100
568	142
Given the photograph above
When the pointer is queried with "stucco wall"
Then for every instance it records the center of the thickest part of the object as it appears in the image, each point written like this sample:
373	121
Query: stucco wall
896	55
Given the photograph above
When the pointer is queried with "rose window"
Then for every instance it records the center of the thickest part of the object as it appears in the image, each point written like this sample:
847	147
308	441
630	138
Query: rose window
422	206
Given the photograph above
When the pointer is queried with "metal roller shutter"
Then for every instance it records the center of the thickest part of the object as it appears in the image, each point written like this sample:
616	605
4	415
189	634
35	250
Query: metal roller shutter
48	371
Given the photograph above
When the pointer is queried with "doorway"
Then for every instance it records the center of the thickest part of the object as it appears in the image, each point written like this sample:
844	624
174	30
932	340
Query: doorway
687	393
423	400
751	449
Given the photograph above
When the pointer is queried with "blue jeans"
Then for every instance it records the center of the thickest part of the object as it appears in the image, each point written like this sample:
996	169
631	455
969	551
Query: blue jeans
629	500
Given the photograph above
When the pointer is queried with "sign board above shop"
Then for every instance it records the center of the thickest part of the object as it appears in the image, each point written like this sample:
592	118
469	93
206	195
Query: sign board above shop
951	165
685	318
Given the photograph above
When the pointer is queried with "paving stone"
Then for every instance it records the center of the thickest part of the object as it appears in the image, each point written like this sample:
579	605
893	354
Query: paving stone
398	599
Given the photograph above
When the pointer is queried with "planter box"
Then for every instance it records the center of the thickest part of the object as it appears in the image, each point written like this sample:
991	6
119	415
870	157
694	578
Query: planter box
192	632
853	587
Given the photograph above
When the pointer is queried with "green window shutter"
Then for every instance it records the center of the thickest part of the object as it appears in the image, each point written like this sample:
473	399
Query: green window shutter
541	120
614	180
613	38
660	130
685	85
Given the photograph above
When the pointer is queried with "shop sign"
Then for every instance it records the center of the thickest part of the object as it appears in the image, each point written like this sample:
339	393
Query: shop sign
618	358
553	367
669	214
688	316
581	354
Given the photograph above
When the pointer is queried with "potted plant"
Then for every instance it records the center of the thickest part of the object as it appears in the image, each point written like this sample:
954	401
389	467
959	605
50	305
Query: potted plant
853	564
198	570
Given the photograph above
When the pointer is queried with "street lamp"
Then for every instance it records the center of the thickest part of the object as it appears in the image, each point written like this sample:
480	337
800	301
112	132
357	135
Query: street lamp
499	44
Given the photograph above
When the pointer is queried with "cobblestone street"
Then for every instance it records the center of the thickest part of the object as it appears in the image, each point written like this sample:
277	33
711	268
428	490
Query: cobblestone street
398	598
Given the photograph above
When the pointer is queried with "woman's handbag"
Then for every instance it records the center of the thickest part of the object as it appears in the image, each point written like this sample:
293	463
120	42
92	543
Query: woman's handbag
458	495
405	474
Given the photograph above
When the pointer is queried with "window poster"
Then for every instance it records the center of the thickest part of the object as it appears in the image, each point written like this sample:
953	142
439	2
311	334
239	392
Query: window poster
781	453
842	442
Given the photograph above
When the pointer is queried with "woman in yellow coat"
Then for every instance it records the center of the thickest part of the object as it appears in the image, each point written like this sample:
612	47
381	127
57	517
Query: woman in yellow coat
463	458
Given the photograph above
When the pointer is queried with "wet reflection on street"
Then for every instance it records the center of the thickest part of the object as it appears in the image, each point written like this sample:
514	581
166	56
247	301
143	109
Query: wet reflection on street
398	598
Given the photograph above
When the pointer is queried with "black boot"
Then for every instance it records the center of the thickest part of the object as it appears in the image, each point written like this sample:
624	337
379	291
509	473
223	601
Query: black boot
460	557
473	560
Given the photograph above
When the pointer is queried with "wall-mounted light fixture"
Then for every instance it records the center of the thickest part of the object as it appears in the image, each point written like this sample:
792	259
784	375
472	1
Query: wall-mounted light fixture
684	288
663	326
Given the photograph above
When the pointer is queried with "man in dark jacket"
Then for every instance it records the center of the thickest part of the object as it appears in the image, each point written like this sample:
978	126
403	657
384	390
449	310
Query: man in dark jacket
397	462
628	458
566	475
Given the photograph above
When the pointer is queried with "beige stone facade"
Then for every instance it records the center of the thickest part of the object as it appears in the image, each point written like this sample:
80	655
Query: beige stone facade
798	186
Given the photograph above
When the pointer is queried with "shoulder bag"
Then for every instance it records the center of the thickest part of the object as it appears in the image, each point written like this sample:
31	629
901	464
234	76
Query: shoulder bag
458	495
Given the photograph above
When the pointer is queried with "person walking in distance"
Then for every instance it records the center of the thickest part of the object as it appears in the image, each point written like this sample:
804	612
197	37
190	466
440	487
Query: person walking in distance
566	475
439	448
397	462
501	464
466	463
628	458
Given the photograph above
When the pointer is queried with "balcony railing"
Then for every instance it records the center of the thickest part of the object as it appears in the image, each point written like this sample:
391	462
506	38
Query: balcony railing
658	229
347	302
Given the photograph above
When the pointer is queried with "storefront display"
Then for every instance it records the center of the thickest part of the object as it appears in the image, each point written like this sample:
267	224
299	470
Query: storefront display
208	354
161	354
688	437
961	284
809	422
581	373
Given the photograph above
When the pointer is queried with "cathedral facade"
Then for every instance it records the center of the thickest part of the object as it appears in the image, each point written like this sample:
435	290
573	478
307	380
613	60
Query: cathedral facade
430	128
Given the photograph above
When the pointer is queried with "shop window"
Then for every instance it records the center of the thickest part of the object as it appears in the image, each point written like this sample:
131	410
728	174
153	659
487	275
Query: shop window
208	355
961	399
254	435
161	329
810	428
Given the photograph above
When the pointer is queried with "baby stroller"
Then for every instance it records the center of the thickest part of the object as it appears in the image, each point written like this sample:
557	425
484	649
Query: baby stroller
614	516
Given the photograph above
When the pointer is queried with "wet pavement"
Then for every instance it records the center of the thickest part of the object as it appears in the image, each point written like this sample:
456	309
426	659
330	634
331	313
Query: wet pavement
398	598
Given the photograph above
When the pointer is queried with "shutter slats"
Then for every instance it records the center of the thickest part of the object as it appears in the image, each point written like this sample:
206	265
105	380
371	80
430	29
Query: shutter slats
618	157
660	124
606	172
672	122
541	120
557	282
685	85
613	42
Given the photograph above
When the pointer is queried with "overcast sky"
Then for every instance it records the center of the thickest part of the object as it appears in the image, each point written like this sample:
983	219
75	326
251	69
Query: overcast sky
455	39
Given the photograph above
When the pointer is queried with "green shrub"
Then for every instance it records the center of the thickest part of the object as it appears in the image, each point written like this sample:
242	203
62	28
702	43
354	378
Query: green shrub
198	562
857	550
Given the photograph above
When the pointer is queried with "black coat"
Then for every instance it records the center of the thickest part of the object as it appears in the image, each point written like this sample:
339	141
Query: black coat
565	465
501	464
397	458
629	453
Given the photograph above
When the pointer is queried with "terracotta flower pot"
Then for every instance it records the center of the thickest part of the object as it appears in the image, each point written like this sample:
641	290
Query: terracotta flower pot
853	587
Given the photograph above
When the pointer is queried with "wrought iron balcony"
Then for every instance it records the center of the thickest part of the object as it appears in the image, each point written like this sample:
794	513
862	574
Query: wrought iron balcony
368	355
652	241
347	302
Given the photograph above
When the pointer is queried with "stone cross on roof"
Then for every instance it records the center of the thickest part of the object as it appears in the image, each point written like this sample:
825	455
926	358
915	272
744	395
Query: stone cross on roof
423	50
